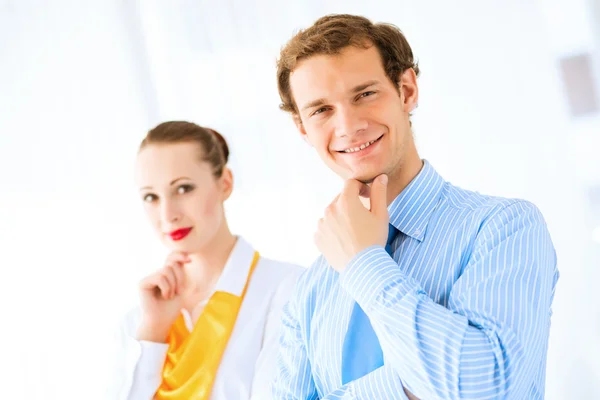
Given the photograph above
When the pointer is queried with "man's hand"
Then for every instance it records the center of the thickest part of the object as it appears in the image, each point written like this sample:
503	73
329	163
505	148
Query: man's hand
348	227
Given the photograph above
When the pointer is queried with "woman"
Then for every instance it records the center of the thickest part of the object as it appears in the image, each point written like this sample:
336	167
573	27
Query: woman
208	321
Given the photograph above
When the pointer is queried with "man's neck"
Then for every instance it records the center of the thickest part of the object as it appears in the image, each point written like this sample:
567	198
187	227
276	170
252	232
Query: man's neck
404	175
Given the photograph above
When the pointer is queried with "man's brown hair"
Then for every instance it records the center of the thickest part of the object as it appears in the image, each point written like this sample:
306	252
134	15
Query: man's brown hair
332	33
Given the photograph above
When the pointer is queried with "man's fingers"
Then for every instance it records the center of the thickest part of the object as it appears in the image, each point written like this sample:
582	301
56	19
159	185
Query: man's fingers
352	188
352	193
365	191
379	196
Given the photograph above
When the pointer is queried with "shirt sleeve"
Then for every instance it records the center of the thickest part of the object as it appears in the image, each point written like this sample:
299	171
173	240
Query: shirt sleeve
148	370
383	383
293	375
491	340
137	365
266	362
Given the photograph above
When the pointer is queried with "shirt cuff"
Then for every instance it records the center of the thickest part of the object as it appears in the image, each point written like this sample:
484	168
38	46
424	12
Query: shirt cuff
369	274
151	361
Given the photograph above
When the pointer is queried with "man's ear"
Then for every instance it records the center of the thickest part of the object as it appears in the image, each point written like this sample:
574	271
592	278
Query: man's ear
300	127
409	90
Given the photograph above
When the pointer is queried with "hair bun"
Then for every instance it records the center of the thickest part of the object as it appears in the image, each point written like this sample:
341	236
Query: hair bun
222	143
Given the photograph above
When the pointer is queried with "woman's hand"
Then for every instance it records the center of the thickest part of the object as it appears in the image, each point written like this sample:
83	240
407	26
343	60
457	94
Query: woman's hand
161	298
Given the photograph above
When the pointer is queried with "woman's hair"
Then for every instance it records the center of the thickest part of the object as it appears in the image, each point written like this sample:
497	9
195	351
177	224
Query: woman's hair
214	147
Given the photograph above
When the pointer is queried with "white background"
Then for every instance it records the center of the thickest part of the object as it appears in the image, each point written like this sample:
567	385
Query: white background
82	81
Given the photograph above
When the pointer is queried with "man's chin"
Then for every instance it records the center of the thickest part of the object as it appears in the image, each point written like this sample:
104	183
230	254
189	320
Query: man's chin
366	181
368	176
364	178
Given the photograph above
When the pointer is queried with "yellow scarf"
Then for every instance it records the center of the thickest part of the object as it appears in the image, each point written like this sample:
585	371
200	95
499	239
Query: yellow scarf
194	357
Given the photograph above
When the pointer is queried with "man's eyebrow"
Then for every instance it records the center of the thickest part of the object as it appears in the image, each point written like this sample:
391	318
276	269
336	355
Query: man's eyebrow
314	103
365	85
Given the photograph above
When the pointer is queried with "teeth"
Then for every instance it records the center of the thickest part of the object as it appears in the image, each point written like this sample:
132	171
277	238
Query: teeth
361	147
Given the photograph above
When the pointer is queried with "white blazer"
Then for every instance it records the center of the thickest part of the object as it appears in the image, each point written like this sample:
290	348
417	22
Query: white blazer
248	363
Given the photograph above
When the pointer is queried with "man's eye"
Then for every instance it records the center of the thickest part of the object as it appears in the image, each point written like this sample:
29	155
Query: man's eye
320	110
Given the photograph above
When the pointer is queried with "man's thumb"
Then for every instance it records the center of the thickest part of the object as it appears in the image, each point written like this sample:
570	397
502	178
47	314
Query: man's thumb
379	195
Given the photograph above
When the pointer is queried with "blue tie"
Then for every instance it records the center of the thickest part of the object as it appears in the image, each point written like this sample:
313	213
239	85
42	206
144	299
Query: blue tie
362	353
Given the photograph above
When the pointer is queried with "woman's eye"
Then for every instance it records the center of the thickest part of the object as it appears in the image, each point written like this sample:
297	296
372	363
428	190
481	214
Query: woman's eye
184	189
149	197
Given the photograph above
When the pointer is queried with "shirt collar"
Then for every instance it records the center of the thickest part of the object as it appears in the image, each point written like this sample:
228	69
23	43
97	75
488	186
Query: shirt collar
235	273
411	209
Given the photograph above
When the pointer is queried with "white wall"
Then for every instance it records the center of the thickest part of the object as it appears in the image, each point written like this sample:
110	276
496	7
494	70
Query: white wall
81	83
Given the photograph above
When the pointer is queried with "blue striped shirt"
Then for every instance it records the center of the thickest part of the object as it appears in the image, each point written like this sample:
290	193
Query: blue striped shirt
462	310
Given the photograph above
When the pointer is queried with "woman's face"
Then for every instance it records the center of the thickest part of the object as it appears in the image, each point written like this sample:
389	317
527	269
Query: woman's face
182	198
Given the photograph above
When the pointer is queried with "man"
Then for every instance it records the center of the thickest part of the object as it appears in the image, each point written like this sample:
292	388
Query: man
428	289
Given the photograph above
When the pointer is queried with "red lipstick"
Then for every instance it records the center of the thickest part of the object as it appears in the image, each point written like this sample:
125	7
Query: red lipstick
180	233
